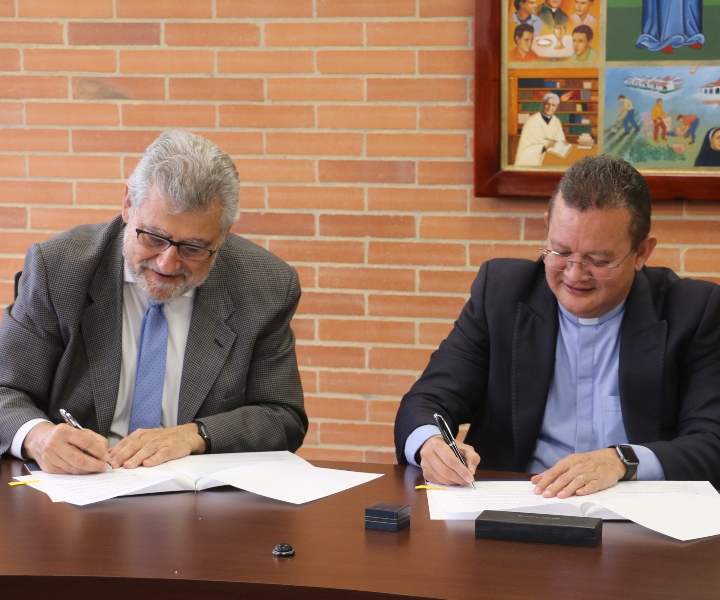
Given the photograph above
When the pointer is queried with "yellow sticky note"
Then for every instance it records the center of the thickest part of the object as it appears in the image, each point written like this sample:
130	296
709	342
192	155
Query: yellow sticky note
24	482
429	487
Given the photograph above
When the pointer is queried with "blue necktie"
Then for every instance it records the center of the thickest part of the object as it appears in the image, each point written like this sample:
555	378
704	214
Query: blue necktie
150	373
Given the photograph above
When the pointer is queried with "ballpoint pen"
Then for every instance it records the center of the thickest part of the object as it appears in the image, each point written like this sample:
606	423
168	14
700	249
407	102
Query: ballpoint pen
70	420
445	430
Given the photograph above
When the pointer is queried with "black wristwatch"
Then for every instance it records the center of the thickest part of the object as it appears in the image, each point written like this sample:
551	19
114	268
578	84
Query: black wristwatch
629	458
202	431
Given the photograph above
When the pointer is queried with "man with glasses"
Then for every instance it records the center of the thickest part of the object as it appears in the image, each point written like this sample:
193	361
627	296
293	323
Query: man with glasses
585	367
161	332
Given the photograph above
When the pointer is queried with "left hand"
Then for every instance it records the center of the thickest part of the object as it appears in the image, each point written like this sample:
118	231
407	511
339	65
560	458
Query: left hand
580	474
151	447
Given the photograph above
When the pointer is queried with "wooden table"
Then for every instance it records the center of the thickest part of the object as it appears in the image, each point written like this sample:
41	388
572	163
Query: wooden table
217	544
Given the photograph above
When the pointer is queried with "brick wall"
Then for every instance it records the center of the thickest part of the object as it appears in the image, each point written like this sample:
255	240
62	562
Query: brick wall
351	125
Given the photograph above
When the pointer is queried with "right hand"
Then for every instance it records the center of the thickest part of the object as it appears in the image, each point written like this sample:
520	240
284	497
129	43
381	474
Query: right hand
440	465
61	449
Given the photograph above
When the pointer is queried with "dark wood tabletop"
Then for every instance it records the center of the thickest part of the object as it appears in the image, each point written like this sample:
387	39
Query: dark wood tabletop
218	544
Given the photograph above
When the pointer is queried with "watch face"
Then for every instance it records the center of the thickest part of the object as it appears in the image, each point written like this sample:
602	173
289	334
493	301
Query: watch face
628	454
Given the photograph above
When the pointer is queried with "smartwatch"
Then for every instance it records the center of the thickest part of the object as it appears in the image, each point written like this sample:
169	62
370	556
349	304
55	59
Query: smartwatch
203	433
630	460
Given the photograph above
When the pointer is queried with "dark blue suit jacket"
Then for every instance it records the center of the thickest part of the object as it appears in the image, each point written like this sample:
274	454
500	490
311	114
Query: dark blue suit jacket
495	368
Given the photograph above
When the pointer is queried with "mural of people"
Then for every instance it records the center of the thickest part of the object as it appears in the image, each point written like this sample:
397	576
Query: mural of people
523	41
689	126
582	15
551	13
627	114
527	15
709	155
658	115
668	24
540	133
581	37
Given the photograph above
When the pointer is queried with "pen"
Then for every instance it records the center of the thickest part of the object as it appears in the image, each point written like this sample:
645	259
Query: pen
445	430
70	420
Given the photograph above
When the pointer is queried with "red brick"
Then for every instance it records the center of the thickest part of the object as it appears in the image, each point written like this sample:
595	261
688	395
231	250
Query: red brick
35	192
168	115
399	358
703	260
304	329
9	266
263	115
212	34
417	90
523	205
276	170
44	140
113	34
168	9
416	144
446	117
439	33
60	219
251	196
35	32
356	434
7	8
373	62
118	88
247	9
366	117
308	380
70	166
447	281
167	61
335	357
265	61
366	278
364	382
237	142
669	207
216	88
11	113
377	226
12	217
446	8
329	454
79	9
479	253
12	166
687	231
314	34
370	171
364	330
312	435
429	307
320	197
417	199
383	411
470	228
307	276
365	8
314	143
332	303
318	251
275	224
33	86
301	89
6	293
128	165
386	457
665	257
123	141
346	409
69	60
535	230
446	62
16	242
416	253
445	173
71	113
697	208
96	192
9	59
433	333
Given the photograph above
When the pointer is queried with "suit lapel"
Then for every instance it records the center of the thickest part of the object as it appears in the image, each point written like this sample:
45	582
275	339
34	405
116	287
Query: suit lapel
101	327
208	345
533	366
642	351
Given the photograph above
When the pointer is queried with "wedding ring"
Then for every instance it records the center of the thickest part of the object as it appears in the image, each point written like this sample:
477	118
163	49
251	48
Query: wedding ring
584	480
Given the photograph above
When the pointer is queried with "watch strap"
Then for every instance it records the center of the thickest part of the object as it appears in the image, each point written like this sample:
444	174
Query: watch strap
203	433
630	466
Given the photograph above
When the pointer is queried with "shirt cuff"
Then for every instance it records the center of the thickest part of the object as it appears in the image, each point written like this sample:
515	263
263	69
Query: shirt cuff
19	439
649	468
416	439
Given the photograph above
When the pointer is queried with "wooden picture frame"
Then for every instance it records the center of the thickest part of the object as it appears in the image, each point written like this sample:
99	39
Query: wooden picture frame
489	177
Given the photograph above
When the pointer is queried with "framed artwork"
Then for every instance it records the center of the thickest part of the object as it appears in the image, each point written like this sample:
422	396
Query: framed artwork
637	79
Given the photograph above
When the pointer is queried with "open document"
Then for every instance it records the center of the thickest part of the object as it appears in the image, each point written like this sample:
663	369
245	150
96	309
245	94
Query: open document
279	475
684	510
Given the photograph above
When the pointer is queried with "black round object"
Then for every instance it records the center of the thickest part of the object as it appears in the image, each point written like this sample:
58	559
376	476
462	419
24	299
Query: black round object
283	549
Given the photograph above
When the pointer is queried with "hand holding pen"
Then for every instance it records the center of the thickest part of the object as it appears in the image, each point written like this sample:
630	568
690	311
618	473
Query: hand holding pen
437	469
70	420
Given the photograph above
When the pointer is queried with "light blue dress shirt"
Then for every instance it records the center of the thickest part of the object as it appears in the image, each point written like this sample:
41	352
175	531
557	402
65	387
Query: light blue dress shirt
587	362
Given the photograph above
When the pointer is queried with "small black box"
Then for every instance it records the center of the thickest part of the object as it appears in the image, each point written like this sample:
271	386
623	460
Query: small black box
387	516
533	527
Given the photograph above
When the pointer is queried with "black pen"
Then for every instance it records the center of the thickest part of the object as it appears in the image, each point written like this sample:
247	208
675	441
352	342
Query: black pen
70	420
445	430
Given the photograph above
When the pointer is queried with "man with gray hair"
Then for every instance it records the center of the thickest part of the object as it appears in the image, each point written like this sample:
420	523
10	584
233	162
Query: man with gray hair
161	332
585	367
540	133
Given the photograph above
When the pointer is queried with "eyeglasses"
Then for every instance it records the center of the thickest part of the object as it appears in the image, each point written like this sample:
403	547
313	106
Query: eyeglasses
185	250
595	269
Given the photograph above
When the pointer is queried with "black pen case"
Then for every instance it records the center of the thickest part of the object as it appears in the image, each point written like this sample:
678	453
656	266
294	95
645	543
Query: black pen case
387	516
532	527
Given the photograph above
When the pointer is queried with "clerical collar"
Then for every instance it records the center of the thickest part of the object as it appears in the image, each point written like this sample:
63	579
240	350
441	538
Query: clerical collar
618	310
545	118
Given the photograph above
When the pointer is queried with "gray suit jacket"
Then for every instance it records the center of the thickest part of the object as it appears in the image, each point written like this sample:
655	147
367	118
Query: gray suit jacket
60	343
